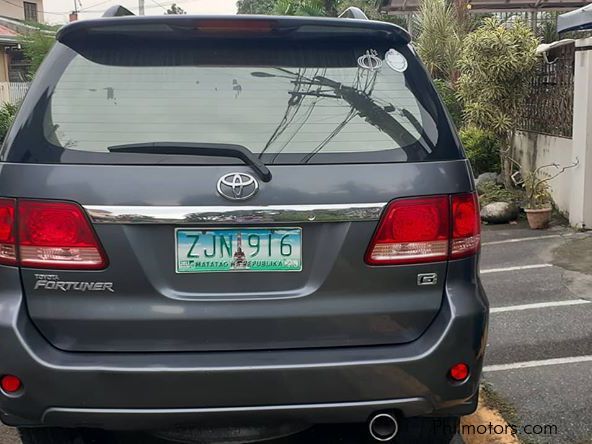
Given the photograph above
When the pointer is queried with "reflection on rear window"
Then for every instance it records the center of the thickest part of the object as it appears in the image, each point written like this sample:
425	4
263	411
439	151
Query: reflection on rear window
273	111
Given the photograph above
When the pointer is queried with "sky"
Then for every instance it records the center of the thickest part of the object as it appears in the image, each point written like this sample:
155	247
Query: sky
56	11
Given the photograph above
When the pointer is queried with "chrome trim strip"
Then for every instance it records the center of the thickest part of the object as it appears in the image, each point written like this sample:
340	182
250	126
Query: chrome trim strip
181	215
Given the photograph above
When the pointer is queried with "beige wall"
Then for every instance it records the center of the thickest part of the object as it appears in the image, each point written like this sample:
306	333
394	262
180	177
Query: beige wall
11	9
533	150
4	61
581	203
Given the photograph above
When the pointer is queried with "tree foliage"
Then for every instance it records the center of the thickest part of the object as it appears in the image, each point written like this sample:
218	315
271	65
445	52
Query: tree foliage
7	113
439	38
451	100
497	63
323	8
35	46
175	10
482	148
256	6
301	7
331	8
547	30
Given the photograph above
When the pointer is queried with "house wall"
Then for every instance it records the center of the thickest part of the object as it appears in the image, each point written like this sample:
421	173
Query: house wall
581	203
15	9
4	61
533	150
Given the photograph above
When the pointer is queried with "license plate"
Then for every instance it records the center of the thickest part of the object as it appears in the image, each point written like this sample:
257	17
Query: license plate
238	249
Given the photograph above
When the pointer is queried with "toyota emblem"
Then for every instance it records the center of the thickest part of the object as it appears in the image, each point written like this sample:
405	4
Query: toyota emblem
237	186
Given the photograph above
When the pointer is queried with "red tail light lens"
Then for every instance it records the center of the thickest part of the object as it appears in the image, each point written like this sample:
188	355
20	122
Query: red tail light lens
412	231
57	235
459	372
10	383
466	226
427	229
7	232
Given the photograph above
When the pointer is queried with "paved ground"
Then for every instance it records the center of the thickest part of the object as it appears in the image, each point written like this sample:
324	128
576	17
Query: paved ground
540	346
539	355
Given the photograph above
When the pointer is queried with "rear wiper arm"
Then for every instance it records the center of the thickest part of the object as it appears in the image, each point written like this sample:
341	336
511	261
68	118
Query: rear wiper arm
198	149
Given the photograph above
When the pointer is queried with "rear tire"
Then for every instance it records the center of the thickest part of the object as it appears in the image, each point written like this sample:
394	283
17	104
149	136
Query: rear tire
54	435
428	430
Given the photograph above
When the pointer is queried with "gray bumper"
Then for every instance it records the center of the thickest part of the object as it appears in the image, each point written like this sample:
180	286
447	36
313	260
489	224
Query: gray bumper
142	391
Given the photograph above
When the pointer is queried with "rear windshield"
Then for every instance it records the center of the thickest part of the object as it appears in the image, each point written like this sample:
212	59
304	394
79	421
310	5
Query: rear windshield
307	103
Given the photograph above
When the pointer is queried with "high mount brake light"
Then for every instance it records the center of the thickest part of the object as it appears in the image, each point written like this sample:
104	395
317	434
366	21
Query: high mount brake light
235	25
426	229
51	234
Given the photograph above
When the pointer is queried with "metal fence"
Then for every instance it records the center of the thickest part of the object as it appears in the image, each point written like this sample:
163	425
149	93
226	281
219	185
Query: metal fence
548	108
13	92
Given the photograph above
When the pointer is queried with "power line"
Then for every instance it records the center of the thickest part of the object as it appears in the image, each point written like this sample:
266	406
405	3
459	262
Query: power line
94	5
158	4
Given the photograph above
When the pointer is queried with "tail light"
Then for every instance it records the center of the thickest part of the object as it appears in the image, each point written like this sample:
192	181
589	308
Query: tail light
426	229
411	231
466	226
51	235
7	232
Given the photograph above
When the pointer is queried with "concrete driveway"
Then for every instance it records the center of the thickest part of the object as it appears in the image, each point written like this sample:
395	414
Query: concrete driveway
539	360
539	356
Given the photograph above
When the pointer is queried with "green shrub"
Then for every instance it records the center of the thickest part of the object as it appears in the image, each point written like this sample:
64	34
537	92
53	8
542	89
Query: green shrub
439	39
482	148
451	101
7	113
35	46
497	63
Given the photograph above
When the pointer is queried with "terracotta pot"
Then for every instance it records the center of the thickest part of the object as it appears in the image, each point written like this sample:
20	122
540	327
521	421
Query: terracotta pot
538	218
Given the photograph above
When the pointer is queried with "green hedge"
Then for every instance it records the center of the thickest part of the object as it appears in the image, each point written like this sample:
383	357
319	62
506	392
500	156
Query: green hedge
482	148
7	113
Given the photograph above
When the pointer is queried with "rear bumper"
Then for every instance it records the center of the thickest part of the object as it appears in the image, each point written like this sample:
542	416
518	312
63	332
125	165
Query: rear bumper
142	391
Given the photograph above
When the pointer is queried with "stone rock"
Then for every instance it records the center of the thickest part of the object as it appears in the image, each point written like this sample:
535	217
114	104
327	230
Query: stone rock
486	177
499	212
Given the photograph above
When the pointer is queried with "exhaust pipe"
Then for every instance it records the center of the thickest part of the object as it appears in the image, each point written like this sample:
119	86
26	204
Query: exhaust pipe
383	427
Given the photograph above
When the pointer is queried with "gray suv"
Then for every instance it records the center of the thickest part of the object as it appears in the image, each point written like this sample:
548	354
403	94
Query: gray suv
237	226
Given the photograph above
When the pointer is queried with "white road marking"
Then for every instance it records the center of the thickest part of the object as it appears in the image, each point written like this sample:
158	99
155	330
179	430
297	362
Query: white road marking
539	305
522	267
541	363
524	239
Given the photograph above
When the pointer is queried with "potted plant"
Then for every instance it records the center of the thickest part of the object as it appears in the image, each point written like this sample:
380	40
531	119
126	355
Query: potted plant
538	200
539	204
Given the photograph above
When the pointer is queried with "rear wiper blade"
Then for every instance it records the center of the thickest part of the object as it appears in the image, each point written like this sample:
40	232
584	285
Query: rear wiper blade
198	149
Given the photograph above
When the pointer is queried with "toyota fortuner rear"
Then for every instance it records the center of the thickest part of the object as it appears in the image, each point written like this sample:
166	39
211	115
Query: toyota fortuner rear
235	220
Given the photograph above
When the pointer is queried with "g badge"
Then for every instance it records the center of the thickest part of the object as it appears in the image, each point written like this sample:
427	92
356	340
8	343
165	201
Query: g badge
427	279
